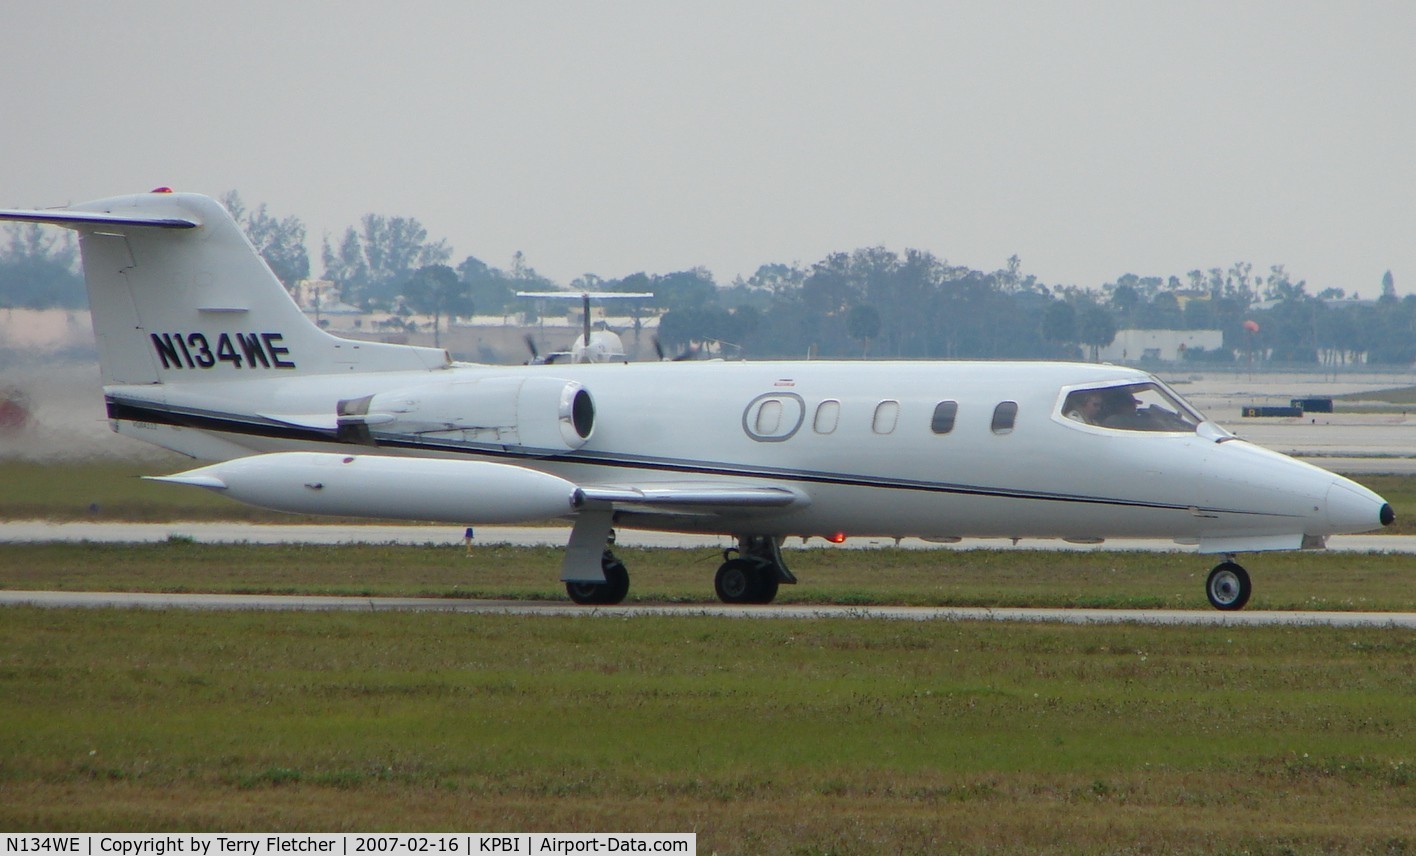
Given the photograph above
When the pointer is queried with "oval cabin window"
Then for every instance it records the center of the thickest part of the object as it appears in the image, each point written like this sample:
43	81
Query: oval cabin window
769	416
1004	415
944	413
828	413
774	416
887	413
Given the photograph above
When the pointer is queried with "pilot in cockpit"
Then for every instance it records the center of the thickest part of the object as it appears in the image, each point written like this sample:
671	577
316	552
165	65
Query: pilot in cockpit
1121	409
1085	406
1133	407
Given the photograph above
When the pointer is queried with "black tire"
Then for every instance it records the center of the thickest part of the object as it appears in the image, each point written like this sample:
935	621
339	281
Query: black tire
767	583
616	582
736	581
745	581
1228	587
608	593
585	594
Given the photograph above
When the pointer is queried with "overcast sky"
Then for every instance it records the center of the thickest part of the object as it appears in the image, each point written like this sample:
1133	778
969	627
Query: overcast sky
1091	138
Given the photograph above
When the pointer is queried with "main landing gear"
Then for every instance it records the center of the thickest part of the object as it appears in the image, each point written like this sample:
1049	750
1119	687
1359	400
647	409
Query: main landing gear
756	572
750	573
607	593
1228	586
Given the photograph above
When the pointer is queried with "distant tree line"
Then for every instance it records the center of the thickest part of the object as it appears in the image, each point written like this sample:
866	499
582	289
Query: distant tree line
868	302
39	269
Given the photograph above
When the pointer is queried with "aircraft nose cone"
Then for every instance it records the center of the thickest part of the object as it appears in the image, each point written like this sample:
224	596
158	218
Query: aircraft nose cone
1353	508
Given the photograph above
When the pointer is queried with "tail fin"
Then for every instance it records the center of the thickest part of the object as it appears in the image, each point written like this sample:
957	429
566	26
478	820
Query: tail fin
178	294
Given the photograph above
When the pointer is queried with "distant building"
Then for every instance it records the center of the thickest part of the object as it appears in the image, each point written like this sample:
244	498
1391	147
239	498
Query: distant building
1134	346
45	330
319	299
1185	296
309	293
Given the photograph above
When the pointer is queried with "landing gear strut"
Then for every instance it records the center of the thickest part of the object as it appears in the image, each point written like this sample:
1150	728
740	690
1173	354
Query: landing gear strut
607	593
754	575
1228	586
591	543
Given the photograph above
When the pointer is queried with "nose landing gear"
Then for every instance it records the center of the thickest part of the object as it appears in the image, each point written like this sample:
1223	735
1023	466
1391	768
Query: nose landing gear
1228	587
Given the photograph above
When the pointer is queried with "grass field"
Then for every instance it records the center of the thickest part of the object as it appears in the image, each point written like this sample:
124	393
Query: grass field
798	737
1308	580
1399	396
109	490
763	737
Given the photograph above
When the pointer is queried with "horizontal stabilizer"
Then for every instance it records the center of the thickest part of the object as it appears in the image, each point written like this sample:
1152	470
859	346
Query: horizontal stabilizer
81	219
585	295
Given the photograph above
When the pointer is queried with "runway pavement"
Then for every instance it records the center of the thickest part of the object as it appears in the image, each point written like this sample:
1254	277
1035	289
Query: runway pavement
235	602
557	536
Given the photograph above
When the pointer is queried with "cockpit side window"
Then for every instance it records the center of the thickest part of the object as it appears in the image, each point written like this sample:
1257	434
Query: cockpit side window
1131	407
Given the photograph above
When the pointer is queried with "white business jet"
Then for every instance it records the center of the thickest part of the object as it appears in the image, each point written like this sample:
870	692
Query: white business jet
203	352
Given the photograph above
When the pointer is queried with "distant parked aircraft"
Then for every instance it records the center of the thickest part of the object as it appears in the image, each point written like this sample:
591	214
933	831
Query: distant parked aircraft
592	346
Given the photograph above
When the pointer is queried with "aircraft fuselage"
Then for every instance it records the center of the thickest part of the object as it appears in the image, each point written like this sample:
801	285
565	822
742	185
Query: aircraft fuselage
858	440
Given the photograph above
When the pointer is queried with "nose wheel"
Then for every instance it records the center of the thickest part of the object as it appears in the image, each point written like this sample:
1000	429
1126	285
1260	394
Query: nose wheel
1228	587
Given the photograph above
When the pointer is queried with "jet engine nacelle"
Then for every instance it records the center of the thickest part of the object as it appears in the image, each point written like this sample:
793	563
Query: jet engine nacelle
533	412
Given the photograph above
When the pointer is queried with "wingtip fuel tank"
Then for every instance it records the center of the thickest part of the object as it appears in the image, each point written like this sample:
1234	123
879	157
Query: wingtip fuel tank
397	488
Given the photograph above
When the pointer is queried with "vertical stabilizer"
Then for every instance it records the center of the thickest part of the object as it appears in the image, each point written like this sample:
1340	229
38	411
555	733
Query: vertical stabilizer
179	295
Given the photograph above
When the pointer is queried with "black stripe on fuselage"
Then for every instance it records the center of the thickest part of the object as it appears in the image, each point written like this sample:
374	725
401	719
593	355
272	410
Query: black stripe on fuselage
208	421
259	427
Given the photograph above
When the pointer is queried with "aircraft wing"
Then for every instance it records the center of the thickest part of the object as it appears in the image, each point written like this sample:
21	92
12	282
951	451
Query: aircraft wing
695	494
481	492
696	506
374	485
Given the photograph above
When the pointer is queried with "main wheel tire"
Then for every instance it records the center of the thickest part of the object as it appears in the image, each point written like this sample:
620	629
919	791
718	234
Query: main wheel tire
736	581
616	582
585	594
745	581
767	583
608	593
1228	587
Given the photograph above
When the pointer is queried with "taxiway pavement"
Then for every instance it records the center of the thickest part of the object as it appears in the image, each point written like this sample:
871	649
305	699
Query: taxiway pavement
237	602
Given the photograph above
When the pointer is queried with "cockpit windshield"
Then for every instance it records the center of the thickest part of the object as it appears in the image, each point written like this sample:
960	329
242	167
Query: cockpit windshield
1131	407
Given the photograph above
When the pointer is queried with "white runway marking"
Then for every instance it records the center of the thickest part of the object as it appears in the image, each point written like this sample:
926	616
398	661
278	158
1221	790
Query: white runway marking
139	600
